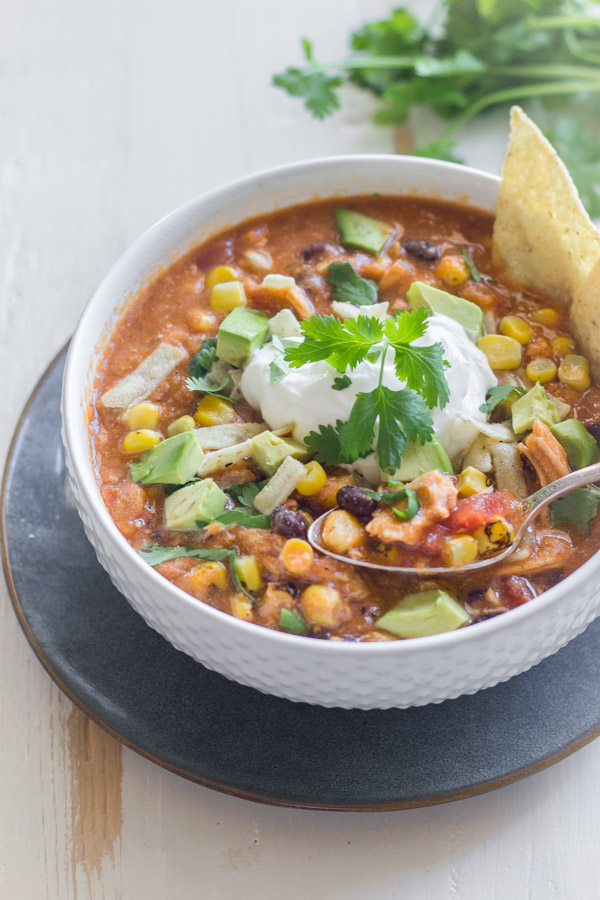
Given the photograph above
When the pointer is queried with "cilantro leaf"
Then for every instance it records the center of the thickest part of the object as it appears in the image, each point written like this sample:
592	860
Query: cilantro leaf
155	555
473	270
342	344
341	382
422	368
317	89
403	415
245	494
244	517
349	286
497	395
200	383
577	508
204	359
326	444
359	431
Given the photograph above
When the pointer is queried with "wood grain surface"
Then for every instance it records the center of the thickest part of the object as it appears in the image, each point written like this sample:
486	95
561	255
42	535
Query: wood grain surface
111	114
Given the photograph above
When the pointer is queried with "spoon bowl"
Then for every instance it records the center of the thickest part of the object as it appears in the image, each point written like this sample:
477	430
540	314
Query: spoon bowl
531	506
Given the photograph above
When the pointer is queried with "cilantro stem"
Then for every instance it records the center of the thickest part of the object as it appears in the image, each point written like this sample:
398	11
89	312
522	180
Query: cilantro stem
549	23
543	71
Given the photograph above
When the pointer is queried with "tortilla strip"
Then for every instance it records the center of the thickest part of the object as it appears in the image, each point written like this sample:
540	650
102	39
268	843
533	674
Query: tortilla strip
542	235
144	380
217	437
283	483
219	459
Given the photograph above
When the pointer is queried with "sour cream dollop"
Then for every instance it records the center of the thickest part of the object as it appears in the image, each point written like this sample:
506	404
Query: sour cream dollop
306	397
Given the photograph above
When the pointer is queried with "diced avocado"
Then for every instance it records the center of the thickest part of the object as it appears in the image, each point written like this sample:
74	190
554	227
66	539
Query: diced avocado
194	505
420	458
174	461
268	451
579	445
467	314
428	612
361	231
241	333
535	404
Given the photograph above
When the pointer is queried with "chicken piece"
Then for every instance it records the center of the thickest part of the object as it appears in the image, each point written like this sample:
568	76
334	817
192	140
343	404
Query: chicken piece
437	495
271	299
273	601
545	453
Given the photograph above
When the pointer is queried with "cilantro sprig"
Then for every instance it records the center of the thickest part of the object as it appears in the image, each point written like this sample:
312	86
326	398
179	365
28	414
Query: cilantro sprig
382	417
475	55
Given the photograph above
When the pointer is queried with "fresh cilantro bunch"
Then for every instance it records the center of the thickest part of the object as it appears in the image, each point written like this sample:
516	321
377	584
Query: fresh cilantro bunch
474	55
401	415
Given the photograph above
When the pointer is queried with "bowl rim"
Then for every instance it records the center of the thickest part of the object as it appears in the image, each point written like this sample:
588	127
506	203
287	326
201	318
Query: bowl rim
82	470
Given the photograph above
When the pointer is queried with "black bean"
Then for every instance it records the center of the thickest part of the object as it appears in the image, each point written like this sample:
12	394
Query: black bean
320	248
422	249
355	500
594	430
288	522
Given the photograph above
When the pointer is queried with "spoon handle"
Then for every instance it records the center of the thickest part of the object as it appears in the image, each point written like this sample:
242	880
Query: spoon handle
580	478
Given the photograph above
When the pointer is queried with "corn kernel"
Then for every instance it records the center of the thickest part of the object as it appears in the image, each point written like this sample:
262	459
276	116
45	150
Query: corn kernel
562	345
341	532
178	426
241	608
220	275
517	328
472	481
460	551
323	605
547	316
575	371
297	556
138	441
143	415
496	535
541	369
227	295
209	574
502	352
214	411
200	321
452	270
248	572
313	481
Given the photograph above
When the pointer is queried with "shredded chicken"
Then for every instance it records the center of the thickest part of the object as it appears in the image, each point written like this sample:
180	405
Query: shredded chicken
545	453
437	495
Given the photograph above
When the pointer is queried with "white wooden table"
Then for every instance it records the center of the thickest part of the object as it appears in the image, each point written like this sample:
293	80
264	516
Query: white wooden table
111	114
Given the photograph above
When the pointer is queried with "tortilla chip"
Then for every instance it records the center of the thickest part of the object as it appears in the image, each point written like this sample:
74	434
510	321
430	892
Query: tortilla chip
144	380
585	319
542	236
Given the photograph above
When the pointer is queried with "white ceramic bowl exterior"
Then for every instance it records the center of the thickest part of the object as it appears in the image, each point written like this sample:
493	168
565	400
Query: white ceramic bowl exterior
363	676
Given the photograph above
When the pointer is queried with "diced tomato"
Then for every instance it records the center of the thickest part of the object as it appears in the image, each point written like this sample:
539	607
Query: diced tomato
475	511
433	540
514	590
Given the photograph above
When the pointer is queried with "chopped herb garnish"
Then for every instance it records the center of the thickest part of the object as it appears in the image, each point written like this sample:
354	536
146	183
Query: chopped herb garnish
341	382
292	621
403	493
349	286
245	494
155	555
244	517
497	395
474	271
577	508
200	383
204	359
403	414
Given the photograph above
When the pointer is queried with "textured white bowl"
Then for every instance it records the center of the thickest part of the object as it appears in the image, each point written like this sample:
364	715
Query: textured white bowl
364	676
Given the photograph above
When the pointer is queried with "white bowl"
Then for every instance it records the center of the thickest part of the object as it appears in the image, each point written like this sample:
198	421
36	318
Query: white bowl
352	675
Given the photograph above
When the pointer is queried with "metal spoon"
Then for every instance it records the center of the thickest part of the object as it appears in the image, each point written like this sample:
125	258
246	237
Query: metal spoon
532	505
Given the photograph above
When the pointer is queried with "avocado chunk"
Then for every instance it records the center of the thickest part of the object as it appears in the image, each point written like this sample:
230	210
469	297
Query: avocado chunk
361	231
428	612
535	404
241	333
467	314
420	458
174	461
579	445
194	505
268	451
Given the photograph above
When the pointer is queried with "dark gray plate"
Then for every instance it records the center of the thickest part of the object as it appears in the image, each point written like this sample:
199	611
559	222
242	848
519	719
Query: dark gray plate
202	726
